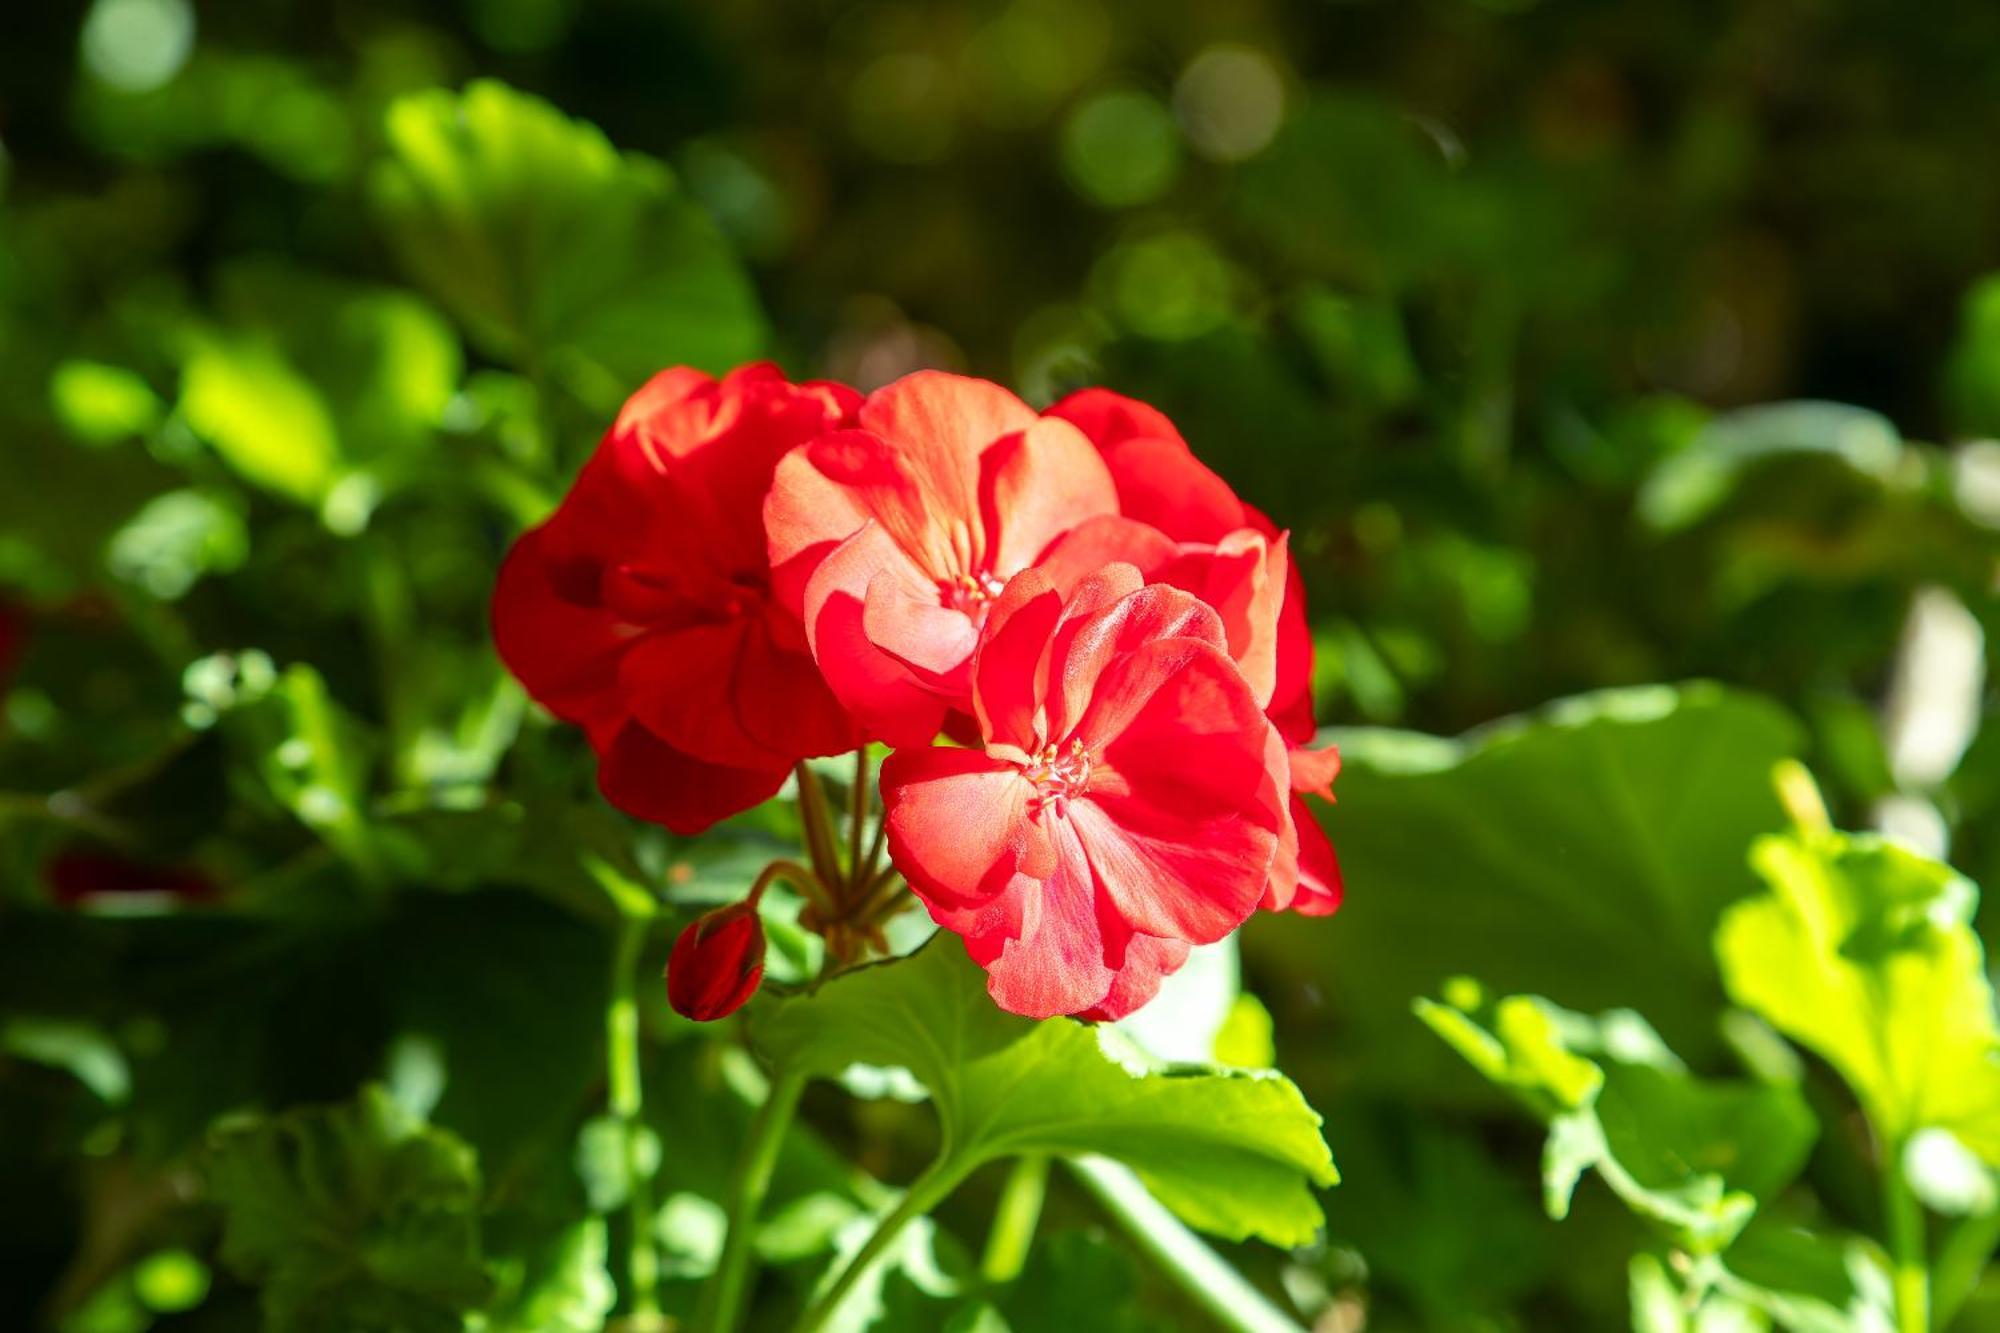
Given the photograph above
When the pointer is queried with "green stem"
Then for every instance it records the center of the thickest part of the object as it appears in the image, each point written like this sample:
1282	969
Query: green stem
722	1298
1015	1219
1905	1220
1961	1260
621	1032
818	817
925	1193
1203	1274
857	816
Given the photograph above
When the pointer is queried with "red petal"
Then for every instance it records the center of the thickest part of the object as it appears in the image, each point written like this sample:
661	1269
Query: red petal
565	653
1010	671
1320	887
905	619
1106	619
1243	578
686	686
1182	821
649	779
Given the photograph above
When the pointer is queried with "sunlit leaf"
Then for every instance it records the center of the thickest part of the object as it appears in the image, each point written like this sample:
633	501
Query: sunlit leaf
1864	952
1233	1152
1695	1156
266	421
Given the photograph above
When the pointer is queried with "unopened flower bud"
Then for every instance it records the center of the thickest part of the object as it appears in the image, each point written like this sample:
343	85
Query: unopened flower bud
717	963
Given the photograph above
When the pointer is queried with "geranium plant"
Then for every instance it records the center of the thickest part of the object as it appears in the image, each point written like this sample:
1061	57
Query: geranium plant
1087	661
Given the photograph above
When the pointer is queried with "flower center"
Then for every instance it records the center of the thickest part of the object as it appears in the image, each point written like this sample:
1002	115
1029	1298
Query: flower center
969	592
1058	775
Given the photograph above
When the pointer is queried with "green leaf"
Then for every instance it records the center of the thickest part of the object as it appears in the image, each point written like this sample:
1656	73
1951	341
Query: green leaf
1693	1155
1689	484
543	239
1584	852
1864	952
101	404
176	539
561	1286
1233	1152
268	423
352	1219
1807	1282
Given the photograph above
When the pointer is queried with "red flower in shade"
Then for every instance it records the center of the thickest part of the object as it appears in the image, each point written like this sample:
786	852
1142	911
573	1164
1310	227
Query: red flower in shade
1127	801
1183	525
77	878
893	539
642	610
717	963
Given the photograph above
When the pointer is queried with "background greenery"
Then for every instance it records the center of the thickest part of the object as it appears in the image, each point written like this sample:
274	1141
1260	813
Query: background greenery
1580	346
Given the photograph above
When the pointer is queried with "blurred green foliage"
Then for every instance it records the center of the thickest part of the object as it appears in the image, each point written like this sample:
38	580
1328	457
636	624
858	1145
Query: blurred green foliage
1580	346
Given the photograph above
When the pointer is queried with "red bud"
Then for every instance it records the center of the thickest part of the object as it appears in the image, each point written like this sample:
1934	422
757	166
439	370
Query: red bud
717	963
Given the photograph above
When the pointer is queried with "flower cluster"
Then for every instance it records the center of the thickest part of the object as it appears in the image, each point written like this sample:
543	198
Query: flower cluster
750	573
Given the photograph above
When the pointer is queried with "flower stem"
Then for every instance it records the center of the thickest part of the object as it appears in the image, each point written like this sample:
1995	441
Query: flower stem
857	817
1184	1257
722	1297
818	817
1015	1219
1905	1220
621	1041
925	1193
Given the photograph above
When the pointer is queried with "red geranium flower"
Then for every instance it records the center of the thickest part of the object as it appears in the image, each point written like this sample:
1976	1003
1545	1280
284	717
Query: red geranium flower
642	610
1183	525
893	539
1127	800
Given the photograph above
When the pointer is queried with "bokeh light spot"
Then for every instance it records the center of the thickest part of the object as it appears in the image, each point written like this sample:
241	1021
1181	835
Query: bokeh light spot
1230	101
137	45
1120	149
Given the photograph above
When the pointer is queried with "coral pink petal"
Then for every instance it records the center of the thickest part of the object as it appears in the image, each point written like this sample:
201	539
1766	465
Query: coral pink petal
1056	965
874	686
1036	486
941	423
1148	961
1313	771
906	619
958	824
1103	540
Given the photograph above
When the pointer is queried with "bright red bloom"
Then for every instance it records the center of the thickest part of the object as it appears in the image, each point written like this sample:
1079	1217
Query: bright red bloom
1127	801
642	609
893	539
717	963
1183	525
